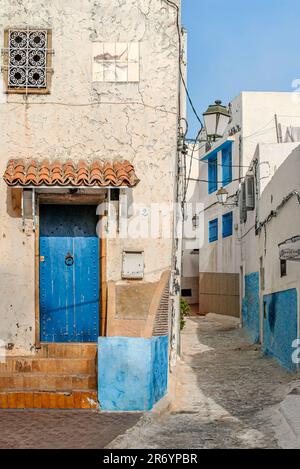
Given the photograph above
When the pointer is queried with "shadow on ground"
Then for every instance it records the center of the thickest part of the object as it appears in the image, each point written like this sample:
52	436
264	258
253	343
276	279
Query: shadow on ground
226	392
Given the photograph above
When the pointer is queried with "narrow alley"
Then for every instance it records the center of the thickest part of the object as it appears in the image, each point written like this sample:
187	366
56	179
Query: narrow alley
228	395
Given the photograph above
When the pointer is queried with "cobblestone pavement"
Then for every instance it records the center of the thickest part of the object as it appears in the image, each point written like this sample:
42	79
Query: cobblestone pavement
61	428
226	393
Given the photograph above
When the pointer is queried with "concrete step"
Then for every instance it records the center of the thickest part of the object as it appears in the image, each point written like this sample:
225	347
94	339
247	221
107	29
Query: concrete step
57	376
47	381
56	350
19	399
30	364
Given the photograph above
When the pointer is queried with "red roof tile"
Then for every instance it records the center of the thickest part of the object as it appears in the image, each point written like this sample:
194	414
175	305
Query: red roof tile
43	173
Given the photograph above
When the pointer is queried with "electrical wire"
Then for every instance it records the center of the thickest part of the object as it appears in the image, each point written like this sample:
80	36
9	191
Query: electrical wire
172	4
247	232
250	167
260	129
293	117
218	164
186	126
186	179
274	213
190	99
294	239
216	182
96	103
190	168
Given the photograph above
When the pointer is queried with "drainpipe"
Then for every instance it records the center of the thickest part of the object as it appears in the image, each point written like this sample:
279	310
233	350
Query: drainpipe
178	209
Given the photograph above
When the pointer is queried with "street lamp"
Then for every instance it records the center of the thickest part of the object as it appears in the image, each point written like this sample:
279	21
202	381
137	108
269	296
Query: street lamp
216	119
195	221
222	196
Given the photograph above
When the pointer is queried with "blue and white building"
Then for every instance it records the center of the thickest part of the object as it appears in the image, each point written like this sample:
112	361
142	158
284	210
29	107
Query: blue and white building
240	271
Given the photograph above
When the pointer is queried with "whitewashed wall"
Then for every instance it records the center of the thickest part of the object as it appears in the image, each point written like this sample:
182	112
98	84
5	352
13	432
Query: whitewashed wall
270	157
284	226
85	119
191	242
255	113
223	255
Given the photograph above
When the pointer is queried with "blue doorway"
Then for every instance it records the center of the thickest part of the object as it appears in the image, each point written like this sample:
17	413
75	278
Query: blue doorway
69	273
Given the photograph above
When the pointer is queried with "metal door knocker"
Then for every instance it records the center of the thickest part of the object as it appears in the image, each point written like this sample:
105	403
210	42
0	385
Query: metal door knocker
69	259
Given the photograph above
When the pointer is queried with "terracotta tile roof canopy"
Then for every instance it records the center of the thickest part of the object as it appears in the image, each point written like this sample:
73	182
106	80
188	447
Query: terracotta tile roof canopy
44	173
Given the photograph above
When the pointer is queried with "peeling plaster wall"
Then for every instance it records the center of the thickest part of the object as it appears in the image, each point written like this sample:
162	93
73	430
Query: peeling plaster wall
81	119
136	373
280	326
251	307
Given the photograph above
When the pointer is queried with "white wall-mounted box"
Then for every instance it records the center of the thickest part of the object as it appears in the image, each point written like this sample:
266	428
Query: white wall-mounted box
133	265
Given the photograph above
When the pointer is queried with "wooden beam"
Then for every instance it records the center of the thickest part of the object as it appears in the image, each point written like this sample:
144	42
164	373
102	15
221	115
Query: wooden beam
103	283
37	276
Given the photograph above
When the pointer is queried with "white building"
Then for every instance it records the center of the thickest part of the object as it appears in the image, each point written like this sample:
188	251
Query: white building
250	248
257	118
190	255
86	117
270	255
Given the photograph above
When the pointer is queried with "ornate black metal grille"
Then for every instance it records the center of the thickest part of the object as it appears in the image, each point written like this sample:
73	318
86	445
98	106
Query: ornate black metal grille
27	59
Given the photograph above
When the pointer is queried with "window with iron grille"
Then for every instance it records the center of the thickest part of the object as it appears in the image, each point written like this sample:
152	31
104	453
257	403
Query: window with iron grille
27	60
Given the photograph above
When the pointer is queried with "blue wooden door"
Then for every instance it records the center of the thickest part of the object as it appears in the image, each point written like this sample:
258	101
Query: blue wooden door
69	273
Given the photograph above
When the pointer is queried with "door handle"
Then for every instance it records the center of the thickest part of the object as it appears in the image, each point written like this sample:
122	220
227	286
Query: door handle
69	259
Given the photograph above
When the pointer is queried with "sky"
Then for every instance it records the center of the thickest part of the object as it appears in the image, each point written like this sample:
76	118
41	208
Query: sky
240	45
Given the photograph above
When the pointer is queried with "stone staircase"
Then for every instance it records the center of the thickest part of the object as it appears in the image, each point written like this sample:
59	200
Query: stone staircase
57	376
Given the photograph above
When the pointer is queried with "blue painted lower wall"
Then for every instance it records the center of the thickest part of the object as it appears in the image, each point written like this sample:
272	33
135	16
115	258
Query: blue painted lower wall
280	312
250	309
132	372
160	367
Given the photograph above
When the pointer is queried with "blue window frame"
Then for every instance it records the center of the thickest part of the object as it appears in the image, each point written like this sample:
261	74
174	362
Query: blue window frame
213	173
227	165
213	230
227	221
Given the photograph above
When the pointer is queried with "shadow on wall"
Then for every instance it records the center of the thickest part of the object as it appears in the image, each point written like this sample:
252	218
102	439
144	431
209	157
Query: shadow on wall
13	202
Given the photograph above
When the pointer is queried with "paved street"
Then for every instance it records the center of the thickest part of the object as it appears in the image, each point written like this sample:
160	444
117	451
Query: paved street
228	395
61	429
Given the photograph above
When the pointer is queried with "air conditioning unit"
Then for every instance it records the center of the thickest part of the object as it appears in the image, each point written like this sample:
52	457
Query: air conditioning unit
242	203
250	192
